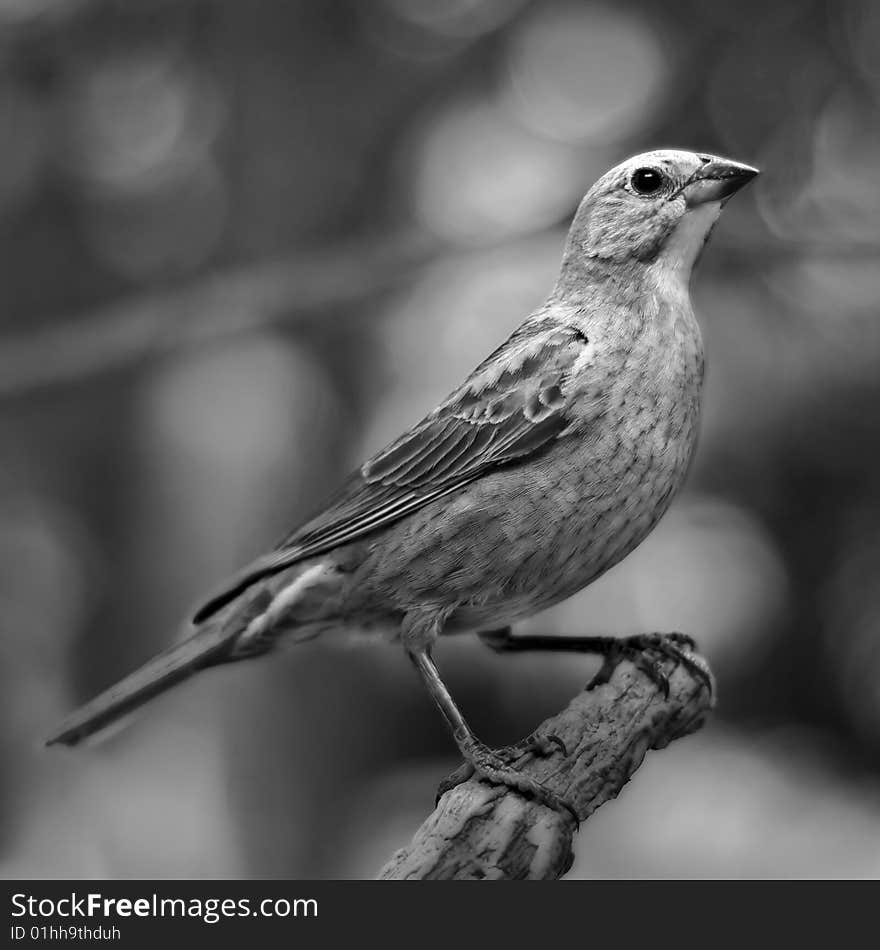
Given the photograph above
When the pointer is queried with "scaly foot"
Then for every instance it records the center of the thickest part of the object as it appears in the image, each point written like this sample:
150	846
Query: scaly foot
502	767
647	652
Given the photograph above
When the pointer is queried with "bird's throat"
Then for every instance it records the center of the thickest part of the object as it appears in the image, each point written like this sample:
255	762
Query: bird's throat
673	265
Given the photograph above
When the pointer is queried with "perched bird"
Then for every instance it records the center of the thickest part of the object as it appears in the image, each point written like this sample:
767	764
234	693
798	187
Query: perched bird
543	469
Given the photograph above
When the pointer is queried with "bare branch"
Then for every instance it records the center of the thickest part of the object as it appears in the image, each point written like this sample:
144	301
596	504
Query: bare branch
481	831
211	309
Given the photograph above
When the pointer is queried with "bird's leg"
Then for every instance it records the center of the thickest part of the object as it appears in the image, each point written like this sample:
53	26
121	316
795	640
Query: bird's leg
646	651
496	765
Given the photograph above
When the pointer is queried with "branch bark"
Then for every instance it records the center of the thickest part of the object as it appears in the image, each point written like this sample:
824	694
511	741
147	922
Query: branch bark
480	831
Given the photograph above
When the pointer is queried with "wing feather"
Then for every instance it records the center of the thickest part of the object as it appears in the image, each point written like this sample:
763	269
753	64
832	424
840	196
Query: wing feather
512	407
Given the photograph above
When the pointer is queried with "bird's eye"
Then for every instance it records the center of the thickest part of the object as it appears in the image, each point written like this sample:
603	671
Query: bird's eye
647	181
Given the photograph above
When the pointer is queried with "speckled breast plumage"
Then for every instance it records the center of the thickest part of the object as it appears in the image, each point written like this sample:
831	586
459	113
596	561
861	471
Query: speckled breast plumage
523	538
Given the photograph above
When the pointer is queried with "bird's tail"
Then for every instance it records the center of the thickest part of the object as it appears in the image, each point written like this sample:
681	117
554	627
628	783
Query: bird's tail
208	646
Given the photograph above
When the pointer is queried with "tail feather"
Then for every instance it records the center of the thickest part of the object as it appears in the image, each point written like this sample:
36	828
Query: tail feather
206	647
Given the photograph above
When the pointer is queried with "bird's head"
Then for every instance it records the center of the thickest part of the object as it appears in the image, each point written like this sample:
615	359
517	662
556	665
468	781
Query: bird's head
654	208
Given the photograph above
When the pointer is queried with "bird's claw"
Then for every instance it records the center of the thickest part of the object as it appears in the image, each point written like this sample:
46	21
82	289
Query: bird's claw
544	746
498	766
647	652
459	776
535	745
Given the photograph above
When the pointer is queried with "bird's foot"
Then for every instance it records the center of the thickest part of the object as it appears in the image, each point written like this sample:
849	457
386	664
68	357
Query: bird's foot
533	746
503	767
648	652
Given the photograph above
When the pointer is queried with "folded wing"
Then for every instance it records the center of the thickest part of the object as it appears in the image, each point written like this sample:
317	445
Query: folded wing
510	409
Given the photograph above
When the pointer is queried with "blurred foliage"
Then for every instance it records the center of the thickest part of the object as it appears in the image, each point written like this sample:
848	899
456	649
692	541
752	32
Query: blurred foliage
151	148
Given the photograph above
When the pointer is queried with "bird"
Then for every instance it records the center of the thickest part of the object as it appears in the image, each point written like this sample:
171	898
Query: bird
547	466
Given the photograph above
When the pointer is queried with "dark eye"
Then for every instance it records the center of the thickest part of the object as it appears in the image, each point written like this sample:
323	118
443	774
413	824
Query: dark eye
647	181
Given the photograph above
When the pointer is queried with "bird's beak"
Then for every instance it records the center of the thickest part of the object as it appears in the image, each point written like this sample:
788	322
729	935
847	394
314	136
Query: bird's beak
716	180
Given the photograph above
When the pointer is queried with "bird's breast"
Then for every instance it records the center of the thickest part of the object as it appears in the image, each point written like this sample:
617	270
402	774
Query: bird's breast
523	537
600	493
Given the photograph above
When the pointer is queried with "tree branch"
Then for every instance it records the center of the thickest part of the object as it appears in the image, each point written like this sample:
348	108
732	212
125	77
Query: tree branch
207	310
481	831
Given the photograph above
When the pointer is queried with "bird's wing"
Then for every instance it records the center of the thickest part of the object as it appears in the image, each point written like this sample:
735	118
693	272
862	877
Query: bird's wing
510	408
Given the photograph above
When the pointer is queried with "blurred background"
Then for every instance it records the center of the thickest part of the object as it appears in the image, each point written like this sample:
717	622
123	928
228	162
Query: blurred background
243	245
